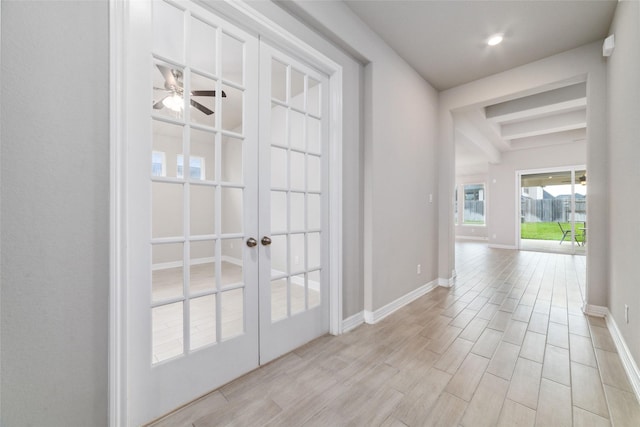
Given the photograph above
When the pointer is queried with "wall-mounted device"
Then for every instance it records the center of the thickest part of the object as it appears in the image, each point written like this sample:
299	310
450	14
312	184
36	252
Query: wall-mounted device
608	45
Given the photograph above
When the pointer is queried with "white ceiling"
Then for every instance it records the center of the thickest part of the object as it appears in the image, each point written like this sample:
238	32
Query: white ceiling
445	41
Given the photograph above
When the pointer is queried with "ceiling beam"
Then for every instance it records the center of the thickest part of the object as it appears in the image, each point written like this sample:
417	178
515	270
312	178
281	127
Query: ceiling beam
545	125
532	102
566	137
541	111
466	130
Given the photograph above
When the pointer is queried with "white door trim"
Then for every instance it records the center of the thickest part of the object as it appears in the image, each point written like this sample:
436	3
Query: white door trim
118	12
117	197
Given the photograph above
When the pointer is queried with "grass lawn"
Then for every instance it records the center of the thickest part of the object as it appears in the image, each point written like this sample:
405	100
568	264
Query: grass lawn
547	230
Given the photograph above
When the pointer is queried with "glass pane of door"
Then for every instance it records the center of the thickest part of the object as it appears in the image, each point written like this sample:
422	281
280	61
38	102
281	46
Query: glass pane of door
553	212
580	215
296	188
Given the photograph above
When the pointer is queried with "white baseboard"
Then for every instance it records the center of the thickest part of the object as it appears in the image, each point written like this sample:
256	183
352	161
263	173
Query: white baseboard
472	238
595	310
446	283
630	366
495	246
297	280
352	322
372	317
231	260
175	264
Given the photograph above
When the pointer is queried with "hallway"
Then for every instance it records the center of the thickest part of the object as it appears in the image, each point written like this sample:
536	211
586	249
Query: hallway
507	345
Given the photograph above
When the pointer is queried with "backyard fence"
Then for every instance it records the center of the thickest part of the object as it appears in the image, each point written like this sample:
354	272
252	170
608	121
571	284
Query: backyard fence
551	210
474	211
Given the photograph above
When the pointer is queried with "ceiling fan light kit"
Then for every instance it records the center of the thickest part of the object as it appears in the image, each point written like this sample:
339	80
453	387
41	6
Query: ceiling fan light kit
174	100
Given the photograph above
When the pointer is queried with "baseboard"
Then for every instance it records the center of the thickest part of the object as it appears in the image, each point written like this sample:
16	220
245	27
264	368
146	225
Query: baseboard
297	280
175	264
352	322
372	317
446	283
231	260
595	310
630	366
495	246
484	239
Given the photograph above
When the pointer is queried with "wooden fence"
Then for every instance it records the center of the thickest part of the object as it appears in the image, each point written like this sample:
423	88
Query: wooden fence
551	210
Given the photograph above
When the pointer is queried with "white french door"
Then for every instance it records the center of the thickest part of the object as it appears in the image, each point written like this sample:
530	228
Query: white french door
226	204
293	211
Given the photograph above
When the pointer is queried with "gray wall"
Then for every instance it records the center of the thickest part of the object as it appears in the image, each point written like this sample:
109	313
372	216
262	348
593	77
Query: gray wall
55	204
623	78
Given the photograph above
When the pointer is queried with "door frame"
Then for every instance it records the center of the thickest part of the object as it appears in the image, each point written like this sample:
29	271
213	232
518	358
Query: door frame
247	18
519	174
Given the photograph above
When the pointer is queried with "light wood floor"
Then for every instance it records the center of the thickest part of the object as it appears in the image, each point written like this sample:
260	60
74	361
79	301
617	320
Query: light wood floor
508	345
551	246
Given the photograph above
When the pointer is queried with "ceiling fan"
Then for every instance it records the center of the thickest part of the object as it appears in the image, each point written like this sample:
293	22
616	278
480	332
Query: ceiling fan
174	87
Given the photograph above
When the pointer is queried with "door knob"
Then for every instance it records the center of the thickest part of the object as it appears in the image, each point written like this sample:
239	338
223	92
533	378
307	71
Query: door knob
266	241
251	242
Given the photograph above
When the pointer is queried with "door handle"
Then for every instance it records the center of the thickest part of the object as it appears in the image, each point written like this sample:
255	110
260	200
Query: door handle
266	241
251	242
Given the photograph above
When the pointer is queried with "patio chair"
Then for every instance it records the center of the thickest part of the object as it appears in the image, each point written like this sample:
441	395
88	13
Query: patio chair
566	233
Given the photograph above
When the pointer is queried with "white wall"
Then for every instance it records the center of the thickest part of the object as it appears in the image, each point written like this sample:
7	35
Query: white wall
581	64
478	232
503	212
400	125
55	204
623	83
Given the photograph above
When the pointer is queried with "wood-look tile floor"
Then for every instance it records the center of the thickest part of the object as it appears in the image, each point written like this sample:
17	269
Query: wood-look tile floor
508	345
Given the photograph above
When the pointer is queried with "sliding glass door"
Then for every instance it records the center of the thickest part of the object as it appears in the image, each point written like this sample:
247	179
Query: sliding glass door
553	210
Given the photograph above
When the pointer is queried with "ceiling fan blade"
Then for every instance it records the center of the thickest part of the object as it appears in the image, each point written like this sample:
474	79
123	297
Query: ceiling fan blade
201	107
203	93
169	78
206	93
161	88
158	105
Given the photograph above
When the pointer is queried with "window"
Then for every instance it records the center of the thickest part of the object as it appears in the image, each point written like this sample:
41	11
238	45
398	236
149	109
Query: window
473	204
196	167
158	163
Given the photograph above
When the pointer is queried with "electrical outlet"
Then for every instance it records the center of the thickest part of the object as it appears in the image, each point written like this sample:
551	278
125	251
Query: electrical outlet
296	260
419	269
494	235
626	313
430	198
230	245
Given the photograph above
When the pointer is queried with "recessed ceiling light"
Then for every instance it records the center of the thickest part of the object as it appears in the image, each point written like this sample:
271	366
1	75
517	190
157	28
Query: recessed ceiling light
494	40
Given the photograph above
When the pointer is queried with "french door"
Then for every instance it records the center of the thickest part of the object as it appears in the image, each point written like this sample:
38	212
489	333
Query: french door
227	248
293	215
